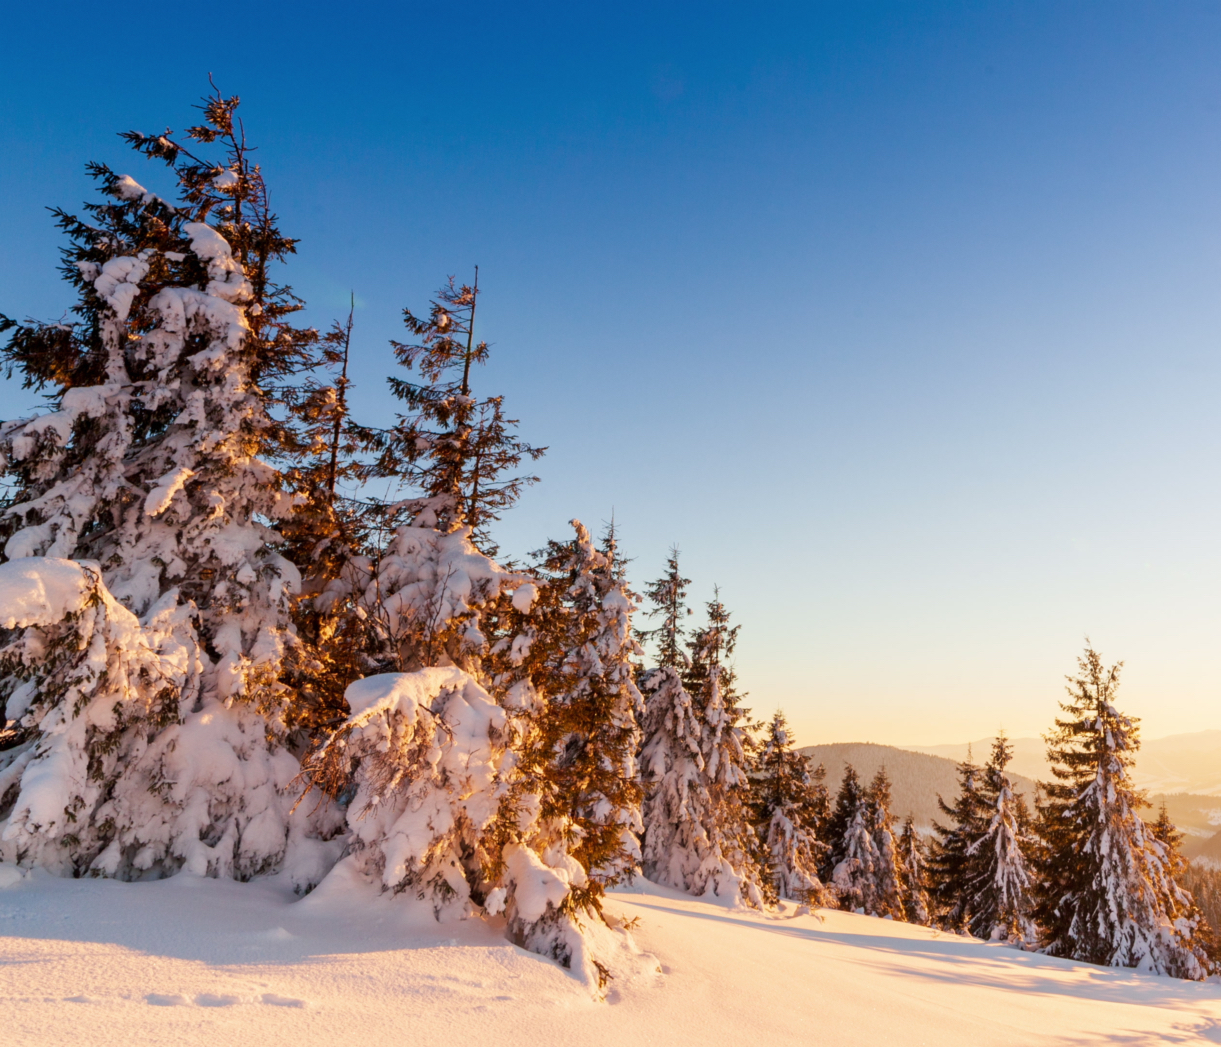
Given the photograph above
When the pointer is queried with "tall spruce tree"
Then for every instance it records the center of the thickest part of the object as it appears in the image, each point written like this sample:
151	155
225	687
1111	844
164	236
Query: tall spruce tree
1107	893
1000	881
455	459
951	859
170	399
788	801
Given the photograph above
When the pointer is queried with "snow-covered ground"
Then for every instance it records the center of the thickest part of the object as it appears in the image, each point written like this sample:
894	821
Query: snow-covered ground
192	961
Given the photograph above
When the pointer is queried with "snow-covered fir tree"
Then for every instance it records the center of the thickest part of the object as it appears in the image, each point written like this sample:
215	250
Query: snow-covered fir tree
951	857
152	480
678	808
788	802
456	451
849	797
496	768
590	730
331	535
733	865
916	906
888	889
1107	893
864	855
999	879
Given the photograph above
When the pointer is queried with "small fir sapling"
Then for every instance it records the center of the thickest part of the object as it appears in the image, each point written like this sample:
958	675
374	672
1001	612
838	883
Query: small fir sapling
1107	892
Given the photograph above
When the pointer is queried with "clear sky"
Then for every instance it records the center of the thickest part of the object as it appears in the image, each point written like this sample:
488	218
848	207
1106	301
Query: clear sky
900	318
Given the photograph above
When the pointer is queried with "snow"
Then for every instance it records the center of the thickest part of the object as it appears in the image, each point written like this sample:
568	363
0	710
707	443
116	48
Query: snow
198	962
37	591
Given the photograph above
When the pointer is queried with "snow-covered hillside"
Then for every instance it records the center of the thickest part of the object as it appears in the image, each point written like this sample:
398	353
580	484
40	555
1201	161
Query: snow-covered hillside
192	961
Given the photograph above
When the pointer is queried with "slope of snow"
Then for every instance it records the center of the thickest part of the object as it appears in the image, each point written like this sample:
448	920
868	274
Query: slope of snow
192	961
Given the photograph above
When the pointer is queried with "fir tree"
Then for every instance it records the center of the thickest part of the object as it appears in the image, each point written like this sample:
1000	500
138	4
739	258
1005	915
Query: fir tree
588	729
158	463
331	535
888	886
916	905
668	595
678	808
788	801
951	863
426	589
453	448
732	868
1107	893
865	874
847	801
999	881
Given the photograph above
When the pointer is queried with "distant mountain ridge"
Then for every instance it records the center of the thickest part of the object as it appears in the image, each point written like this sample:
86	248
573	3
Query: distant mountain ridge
1178	763
919	775
916	778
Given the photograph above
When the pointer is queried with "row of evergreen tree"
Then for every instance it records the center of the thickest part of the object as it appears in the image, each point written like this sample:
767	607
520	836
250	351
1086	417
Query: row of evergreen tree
204	615
1085	876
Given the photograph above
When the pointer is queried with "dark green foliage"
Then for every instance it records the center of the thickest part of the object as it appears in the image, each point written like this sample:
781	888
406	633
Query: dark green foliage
848	800
668	595
950	864
581	752
452	449
914	881
788	803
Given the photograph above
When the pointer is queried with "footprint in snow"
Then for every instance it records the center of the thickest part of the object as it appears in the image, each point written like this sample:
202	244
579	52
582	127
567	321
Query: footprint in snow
160	999
207	999
276	1000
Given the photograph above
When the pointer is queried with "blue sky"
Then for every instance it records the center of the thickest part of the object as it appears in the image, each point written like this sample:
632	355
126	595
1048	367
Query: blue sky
901	319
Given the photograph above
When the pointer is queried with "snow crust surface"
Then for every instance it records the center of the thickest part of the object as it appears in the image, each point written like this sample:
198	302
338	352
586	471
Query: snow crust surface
196	961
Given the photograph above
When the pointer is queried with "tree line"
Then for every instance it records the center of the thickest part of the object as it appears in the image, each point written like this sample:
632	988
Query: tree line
1083	876
220	653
